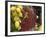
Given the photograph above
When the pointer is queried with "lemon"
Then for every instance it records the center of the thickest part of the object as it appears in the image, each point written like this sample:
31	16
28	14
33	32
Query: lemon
17	24
14	13
19	28
16	18
20	14
13	8
19	6
18	9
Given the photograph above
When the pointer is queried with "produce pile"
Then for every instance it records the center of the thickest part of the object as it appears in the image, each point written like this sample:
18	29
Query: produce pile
23	18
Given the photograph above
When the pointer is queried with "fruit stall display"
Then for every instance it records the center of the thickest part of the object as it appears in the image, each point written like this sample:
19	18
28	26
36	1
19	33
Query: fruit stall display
25	18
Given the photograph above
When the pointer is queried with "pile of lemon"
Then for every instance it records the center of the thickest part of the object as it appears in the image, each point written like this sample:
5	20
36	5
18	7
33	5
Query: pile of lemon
16	14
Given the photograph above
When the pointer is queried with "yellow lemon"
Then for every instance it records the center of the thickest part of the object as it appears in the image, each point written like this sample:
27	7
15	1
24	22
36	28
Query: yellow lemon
14	13
18	10
19	6
20	14
13	8
16	18
17	24
19	28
